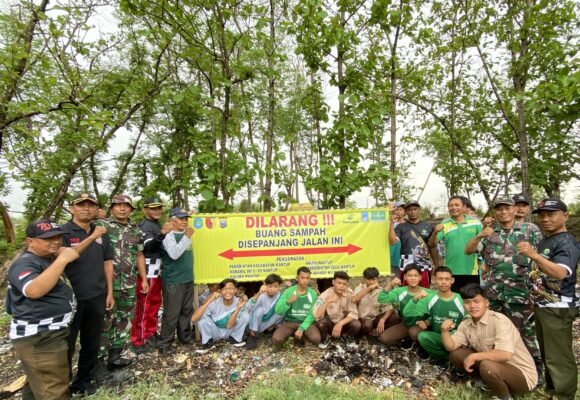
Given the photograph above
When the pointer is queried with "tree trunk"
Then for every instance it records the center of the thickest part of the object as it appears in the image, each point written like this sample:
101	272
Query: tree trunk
7	222
271	105
341	112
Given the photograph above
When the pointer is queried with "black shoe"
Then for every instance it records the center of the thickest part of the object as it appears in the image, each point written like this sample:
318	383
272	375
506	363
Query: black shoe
187	342
206	347
235	343
119	377
116	361
423	354
84	388
165	350
101	373
251	342
144	348
154	340
407	344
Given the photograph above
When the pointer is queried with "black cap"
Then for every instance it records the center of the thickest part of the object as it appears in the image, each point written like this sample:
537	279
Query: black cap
80	197
520	198
43	229
551	204
152	202
506	201
412	203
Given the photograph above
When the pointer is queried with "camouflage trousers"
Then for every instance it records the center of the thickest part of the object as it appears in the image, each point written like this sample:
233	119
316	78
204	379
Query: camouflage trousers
522	315
117	327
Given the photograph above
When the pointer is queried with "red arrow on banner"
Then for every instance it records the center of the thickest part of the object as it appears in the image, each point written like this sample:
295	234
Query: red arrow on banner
231	253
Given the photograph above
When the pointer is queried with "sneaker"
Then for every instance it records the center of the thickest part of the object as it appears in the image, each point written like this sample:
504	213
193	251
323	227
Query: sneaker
324	344
459	373
206	347
407	344
251	342
235	343
423	354
442	365
479	384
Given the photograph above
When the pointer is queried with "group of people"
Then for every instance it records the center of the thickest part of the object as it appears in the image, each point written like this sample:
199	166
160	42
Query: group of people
501	307
509	266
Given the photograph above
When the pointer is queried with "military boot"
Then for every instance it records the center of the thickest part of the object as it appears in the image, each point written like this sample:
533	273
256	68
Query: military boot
116	361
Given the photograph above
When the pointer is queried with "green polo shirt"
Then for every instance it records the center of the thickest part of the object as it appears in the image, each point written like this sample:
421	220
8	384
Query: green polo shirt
456	235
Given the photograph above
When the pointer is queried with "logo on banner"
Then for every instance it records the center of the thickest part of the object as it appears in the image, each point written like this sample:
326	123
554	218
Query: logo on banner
198	223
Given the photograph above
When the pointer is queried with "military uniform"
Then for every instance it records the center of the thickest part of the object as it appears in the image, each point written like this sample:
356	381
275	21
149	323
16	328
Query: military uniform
127	241
507	286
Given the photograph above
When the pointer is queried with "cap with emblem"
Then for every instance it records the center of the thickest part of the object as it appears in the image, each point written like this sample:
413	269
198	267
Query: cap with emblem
505	202
179	212
412	203
520	198
152	202
551	204
43	229
80	197
121	199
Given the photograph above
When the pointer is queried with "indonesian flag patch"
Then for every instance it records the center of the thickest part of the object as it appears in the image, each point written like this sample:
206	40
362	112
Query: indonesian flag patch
23	275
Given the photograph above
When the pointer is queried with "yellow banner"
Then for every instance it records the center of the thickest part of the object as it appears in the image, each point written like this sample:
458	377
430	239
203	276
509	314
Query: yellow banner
249	247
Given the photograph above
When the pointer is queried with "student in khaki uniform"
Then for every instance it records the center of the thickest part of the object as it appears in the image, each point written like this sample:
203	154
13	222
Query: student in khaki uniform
489	344
370	311
335	313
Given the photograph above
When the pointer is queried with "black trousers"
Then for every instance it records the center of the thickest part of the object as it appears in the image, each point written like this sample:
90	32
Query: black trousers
177	312
88	321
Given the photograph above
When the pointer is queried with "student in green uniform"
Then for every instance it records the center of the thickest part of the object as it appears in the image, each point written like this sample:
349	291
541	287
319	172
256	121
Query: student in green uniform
296	304
432	309
393	326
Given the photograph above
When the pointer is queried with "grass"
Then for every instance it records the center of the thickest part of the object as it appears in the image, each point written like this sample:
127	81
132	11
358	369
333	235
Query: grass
274	387
289	387
5	320
151	389
286	387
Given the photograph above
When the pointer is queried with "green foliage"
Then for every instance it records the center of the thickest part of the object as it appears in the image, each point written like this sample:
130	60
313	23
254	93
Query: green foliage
198	92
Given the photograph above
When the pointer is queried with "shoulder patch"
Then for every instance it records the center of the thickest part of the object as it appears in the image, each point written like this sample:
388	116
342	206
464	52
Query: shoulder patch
23	275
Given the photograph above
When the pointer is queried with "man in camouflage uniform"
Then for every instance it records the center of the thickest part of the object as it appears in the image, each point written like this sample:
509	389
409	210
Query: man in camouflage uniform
508	270
128	262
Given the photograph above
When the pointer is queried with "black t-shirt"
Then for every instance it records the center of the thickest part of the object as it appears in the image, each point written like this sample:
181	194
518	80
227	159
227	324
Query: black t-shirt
86	274
31	316
410	236
152	239
561	248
